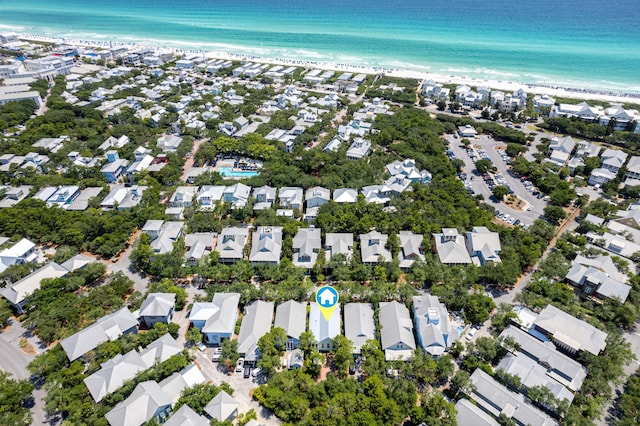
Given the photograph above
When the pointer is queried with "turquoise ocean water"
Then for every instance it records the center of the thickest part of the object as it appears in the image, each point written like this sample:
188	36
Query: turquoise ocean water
585	43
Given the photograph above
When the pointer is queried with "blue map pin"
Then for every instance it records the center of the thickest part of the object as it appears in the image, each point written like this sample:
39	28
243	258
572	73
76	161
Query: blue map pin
327	299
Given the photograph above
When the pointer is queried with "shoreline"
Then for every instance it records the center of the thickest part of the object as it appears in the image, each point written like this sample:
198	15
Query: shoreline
536	88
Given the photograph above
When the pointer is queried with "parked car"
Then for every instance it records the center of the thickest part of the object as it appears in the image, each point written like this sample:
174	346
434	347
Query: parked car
471	333
247	372
201	346
239	365
217	354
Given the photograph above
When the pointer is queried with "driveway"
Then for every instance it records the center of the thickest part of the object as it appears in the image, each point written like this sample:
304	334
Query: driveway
242	388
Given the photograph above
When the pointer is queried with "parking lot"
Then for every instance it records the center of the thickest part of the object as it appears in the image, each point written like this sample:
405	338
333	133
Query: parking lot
485	147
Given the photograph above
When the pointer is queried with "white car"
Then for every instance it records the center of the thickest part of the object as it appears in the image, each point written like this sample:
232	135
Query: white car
240	365
529	208
201	346
471	333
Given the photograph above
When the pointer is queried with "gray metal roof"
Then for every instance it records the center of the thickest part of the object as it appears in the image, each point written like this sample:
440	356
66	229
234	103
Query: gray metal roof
533	374
468	413
158	305
266	245
570	331
395	325
435	331
496	399
358	324
560	367
292	317
322	329
25	287
223	319
372	247
255	324
222	407
107	328
185	416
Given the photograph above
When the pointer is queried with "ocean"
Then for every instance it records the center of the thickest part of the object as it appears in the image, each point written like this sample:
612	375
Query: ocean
575	43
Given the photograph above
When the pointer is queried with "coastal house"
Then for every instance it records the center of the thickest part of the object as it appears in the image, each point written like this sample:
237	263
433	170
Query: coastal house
359	326
559	367
591	280
435	330
568	333
560	150
290	197
408	169
256	322
17	294
123	197
185	416
306	246
209	195
613	159
317	196
291	317
107	328
237	195
345	195
633	169
157	307
483	245
543	104
222	407
163	234
373	248
216	319
359	149
231	242
323	330
118	370
338	244
266	245
396	331
600	176
115	167
24	251
14	195
496	399
152	400
410	249
169	143
451	248
183	196
265	196
198	246
582	111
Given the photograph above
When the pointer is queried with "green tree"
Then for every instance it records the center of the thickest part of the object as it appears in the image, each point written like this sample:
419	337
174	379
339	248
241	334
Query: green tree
483	166
229	353
554	213
499	191
343	354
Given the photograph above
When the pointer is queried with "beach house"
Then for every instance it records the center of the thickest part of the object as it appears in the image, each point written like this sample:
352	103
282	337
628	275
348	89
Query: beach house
216	319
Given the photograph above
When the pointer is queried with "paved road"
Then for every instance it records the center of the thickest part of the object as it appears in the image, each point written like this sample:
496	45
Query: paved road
13	360
124	265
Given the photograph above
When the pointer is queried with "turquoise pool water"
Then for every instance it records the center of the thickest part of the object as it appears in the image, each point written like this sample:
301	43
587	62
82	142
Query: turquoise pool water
229	172
460	329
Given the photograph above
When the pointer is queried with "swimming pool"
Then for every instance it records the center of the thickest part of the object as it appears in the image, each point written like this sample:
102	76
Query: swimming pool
229	172
460	329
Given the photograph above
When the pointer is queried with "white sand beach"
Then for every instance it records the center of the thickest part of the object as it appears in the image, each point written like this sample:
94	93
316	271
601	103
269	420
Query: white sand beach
552	90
